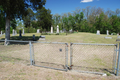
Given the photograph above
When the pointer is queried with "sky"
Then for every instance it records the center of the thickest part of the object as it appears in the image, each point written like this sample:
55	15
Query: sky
65	6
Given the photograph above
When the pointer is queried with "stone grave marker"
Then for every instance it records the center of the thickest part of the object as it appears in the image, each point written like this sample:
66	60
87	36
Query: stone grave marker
98	32
42	38
51	29
107	32
33	37
70	30
57	29
107	35
13	32
38	30
1	33
23	32
20	35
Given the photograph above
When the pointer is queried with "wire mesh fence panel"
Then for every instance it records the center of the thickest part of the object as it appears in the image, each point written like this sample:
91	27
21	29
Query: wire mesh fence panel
16	52
94	58
50	55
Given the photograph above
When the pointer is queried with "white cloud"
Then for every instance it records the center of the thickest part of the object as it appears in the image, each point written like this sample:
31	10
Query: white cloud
85	1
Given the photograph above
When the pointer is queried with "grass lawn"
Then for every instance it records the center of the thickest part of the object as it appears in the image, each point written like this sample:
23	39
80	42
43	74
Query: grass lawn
81	37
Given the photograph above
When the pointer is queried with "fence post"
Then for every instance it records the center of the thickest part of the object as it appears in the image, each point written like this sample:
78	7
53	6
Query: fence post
71	55
5	42
118	61
66	58
115	59
31	60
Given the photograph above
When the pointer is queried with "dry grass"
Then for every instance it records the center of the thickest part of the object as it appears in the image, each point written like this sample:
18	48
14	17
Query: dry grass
10	71
15	59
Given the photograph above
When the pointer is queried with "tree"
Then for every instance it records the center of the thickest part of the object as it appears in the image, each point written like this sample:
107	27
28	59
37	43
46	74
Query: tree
44	18
28	18
16	8
13	23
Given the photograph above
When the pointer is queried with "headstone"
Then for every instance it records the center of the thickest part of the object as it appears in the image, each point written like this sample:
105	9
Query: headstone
13	32
1	33
61	31
98	32
51	29
23	32
64	30
42	38
111	33
38	30
118	37
107	32
33	37
70	30
20	33
108	37
57	29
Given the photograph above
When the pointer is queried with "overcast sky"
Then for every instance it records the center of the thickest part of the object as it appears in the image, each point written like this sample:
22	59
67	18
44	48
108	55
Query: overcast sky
64	6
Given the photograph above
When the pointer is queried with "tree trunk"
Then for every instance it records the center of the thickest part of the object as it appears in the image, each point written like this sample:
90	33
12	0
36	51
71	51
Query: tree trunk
7	30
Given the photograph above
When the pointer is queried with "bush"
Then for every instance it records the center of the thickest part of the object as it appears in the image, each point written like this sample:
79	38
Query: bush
57	33
30	30
44	33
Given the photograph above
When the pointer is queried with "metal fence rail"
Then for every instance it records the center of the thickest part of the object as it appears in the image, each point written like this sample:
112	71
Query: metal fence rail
93	58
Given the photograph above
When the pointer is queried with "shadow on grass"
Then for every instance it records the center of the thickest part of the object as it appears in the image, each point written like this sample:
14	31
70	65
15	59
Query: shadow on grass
23	38
93	69
50	65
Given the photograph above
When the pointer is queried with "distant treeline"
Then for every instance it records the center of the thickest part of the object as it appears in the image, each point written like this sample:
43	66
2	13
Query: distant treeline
89	19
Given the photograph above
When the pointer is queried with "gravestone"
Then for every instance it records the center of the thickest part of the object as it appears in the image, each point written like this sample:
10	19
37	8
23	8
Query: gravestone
13	32
1	33
70	30
23	32
57	29
61	31
98	32
107	32
20	35
33	37
42	38
51	29
107	35
118	36
64	30
38	30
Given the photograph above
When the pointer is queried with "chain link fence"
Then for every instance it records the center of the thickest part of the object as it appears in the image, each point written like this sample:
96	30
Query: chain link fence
93	58
50	55
82	57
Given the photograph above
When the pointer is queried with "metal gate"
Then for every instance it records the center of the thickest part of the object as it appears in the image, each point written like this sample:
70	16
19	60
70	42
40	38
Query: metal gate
52	55
93	58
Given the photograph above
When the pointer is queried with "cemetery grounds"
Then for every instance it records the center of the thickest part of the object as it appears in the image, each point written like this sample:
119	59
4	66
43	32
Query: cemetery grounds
15	59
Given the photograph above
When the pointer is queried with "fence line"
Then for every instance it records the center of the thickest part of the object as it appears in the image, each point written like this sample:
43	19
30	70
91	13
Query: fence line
84	57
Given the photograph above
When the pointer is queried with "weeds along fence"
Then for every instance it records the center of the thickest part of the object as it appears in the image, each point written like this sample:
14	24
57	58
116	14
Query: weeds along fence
81	57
